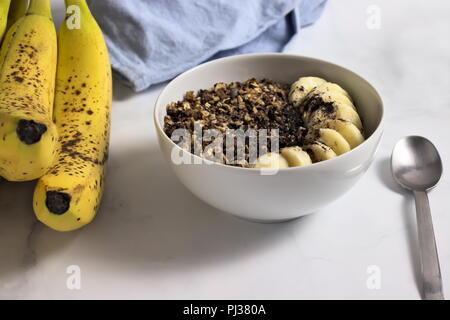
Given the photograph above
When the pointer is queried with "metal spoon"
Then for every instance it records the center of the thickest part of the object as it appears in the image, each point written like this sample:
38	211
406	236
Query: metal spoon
416	166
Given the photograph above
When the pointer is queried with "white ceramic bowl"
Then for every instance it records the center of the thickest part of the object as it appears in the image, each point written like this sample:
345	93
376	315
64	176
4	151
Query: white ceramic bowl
292	192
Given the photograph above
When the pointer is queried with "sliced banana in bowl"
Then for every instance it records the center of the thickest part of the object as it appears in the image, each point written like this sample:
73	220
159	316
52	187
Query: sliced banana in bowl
345	112
302	87
331	92
347	129
319	107
333	126
288	157
331	138
296	157
330	116
320	151
271	160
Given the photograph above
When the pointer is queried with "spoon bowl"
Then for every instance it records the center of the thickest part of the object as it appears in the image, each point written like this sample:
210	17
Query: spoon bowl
416	164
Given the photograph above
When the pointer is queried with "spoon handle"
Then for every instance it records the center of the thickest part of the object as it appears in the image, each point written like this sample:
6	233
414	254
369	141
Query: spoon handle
432	280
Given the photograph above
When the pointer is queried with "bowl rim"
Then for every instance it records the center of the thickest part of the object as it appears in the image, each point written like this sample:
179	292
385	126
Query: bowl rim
341	157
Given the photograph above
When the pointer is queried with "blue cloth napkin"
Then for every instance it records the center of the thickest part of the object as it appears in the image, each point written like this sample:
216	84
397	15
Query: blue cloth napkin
151	41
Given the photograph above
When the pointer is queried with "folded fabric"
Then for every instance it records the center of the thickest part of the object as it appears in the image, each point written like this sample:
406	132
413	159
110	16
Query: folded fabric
151	41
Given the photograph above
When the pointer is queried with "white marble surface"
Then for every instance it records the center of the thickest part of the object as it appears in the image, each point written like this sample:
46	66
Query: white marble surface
153	239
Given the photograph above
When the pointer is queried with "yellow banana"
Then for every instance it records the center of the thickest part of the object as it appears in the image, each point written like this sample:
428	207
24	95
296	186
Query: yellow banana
4	9
17	10
28	136
69	195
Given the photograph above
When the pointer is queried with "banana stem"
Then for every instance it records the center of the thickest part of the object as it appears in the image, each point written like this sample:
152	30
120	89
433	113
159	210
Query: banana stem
17	10
75	2
81	4
40	7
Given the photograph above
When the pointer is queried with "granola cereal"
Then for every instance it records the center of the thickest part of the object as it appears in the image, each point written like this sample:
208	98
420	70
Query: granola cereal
252	104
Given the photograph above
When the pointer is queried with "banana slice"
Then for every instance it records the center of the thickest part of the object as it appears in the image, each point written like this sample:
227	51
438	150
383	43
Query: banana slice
331	92
296	157
302	87
332	87
321	151
333	139
347	129
317	113
271	160
330	110
345	112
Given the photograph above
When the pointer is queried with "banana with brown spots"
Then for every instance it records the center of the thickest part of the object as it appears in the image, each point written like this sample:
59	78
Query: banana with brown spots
69	195
28	136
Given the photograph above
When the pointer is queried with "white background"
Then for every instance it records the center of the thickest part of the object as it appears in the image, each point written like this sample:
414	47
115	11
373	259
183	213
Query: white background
153	239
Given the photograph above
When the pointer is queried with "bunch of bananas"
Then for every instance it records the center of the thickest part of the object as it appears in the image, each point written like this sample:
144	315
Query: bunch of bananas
332	123
55	104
